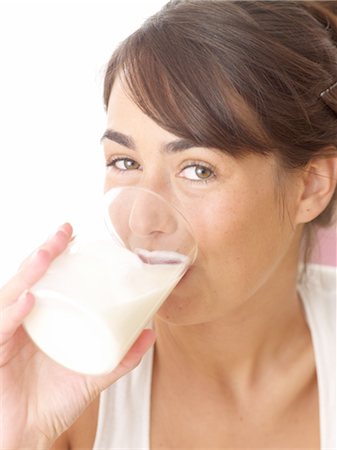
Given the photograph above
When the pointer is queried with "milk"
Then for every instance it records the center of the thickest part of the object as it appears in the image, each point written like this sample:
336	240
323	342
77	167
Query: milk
94	301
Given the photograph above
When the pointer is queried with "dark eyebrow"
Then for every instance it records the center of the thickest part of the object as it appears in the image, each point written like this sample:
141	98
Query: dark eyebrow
179	145
120	138
127	141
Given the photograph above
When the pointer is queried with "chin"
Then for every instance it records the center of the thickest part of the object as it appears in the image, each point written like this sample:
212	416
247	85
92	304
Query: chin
180	308
172	312
185	304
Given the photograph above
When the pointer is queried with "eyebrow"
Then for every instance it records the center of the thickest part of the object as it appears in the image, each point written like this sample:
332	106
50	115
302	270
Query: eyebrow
127	141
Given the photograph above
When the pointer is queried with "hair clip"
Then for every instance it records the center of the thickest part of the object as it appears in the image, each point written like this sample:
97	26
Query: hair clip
328	90
329	97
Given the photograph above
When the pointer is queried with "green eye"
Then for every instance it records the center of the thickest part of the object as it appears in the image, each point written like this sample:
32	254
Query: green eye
197	172
203	172
124	164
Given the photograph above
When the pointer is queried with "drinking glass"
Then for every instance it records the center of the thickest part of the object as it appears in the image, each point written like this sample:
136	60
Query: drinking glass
99	294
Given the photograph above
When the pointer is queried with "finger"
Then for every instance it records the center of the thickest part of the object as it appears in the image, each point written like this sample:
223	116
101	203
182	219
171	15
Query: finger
12	316
136	352
50	244
36	266
130	361
138	349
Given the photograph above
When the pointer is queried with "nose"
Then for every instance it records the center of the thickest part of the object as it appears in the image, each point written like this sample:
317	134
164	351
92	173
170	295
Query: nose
150	216
142	219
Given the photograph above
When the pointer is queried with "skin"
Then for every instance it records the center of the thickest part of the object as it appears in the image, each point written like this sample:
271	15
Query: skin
216	325
232	337
247	252
35	404
215	344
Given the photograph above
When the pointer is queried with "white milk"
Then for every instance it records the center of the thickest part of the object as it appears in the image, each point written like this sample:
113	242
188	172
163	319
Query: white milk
94	301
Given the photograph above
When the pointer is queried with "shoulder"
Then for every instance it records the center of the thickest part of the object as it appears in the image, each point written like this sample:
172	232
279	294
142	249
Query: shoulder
318	288
320	280
318	292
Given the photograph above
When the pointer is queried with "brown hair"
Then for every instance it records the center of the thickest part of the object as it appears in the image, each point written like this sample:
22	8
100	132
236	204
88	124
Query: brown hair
241	76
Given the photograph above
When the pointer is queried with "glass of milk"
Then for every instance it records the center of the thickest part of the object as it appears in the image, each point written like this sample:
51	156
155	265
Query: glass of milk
100	293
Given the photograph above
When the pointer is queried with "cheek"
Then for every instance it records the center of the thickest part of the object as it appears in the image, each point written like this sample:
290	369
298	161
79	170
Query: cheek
240	238
239	241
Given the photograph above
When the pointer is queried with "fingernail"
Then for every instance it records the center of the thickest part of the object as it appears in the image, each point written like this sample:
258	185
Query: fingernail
64	228
59	230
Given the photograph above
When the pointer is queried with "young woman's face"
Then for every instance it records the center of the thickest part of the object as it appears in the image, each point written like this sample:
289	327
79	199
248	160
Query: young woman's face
232	205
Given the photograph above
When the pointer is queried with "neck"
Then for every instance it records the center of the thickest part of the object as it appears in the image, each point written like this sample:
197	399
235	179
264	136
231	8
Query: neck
267	328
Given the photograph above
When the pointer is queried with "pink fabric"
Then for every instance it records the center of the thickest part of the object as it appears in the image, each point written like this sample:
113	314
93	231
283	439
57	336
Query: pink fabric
326	248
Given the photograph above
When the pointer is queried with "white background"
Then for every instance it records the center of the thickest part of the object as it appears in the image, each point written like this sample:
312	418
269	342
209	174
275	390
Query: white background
53	56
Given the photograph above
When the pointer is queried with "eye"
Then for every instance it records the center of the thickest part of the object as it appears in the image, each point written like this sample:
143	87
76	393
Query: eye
123	164
197	172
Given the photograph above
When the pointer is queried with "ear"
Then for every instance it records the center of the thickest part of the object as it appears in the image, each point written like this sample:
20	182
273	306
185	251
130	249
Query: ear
318	182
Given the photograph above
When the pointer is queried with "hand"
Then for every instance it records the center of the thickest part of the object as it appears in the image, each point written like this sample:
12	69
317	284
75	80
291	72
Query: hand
39	398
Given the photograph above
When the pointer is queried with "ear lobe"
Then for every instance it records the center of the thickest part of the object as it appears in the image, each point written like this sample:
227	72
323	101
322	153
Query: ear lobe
319	183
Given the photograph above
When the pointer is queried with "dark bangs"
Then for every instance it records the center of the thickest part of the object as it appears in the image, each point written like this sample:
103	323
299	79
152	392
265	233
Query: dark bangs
239	76
178	82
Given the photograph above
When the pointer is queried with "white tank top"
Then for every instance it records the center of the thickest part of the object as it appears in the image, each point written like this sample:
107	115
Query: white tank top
124	411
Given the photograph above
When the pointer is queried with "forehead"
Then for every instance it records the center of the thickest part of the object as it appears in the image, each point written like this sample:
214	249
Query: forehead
126	117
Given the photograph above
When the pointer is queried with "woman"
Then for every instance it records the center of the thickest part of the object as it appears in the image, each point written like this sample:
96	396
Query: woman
228	110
